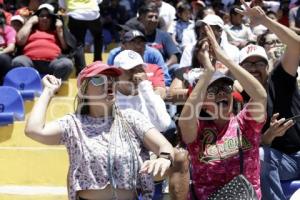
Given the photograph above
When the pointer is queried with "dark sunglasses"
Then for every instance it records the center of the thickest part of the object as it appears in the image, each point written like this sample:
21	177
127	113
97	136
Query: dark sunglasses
257	64
214	90
101	80
271	42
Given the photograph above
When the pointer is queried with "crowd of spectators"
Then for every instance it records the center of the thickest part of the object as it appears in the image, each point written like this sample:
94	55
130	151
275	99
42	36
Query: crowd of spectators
181	62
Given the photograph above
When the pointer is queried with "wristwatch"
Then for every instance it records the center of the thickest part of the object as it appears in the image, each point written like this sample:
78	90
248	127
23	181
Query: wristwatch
167	156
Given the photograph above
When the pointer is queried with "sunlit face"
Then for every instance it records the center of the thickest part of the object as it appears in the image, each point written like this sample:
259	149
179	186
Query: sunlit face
101	89
271	42
185	15
258	67
150	20
218	100
44	20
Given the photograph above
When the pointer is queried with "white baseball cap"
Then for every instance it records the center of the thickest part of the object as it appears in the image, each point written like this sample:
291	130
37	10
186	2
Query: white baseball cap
252	50
17	18
214	20
47	6
128	59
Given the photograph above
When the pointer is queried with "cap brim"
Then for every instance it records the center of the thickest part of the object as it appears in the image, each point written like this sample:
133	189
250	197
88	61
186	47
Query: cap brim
224	79
121	27
111	71
257	55
211	24
50	13
131	67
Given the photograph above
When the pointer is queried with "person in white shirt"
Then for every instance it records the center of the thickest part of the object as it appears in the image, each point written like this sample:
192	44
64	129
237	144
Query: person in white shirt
136	92
217	25
83	16
237	32
167	12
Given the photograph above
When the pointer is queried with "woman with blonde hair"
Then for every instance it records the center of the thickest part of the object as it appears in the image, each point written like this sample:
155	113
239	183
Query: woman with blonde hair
107	147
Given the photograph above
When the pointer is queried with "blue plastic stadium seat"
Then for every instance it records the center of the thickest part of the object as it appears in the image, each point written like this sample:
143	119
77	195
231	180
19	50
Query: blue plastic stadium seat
11	105
25	79
289	187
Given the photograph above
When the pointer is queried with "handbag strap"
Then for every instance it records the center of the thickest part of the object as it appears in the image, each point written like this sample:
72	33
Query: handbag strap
241	155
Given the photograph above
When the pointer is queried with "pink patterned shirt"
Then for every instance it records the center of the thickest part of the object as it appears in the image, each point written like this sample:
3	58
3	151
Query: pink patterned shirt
214	154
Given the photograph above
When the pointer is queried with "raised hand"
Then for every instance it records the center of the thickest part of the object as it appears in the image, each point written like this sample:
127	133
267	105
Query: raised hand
277	128
204	55
58	25
256	14
51	83
217	51
33	20
155	166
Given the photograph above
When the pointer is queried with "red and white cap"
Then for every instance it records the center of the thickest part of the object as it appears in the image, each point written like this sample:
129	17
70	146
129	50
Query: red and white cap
97	68
252	50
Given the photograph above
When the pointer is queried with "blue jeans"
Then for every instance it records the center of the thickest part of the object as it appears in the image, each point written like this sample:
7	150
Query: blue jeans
276	166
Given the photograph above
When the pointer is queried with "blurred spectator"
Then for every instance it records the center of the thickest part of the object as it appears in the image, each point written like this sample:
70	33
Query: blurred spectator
17	22
166	12
283	13
189	35
217	26
238	34
83	16
273	47
112	14
148	17
136	41
197	6
279	154
294	18
209	126
43	41
135	91
183	20
7	45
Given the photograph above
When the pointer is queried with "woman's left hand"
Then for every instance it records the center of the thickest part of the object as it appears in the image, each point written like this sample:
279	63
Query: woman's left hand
213	42
155	166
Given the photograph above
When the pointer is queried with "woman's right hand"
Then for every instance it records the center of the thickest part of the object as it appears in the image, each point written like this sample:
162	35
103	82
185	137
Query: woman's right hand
204	56
51	83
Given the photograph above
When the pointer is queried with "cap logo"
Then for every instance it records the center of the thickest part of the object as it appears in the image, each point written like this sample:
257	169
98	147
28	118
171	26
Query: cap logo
132	55
251	49
135	33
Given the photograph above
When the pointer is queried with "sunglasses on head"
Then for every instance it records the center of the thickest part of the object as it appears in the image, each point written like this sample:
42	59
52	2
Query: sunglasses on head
100	80
215	89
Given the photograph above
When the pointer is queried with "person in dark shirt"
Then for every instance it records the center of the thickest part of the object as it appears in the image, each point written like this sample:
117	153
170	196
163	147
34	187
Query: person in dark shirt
280	151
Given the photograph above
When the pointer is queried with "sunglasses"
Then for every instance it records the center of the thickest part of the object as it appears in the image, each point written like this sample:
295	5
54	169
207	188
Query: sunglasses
271	42
101	80
214	90
258	64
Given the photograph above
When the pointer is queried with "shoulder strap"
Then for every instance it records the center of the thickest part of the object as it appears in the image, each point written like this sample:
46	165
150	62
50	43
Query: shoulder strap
241	155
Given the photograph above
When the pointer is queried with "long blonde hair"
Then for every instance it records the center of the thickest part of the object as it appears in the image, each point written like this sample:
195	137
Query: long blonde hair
80	102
